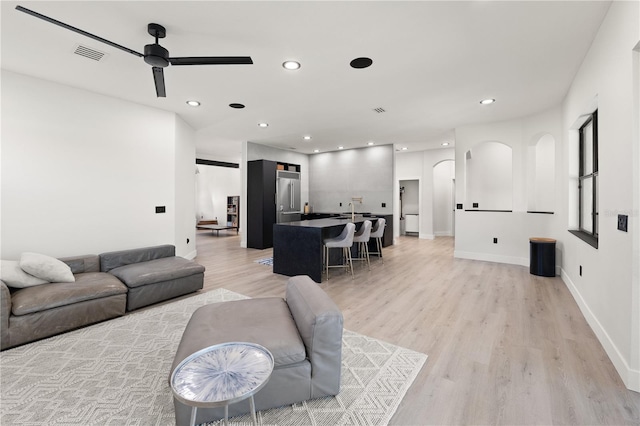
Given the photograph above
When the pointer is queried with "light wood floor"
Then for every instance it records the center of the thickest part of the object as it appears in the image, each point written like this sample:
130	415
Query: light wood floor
505	347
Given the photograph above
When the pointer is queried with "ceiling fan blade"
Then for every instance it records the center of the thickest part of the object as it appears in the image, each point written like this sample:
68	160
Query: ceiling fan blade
212	60
158	78
77	30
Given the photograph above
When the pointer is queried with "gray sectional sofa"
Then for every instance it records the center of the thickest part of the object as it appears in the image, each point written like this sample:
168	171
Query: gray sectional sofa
153	274
303	333
105	287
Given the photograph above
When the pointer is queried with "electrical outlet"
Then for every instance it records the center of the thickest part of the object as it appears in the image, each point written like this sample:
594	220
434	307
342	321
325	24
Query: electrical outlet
384	204
459	206
580	270
475	205
622	222
188	241
340	204
161	209
495	241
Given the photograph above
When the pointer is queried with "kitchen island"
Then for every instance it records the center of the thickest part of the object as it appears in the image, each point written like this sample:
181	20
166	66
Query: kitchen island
297	246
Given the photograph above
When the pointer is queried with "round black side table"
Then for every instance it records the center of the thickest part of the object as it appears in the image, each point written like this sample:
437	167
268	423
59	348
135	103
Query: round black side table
543	257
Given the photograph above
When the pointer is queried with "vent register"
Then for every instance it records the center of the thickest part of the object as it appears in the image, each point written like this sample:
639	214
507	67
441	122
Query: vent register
89	52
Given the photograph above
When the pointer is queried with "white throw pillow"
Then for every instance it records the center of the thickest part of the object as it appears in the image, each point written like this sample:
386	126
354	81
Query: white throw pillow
46	268
12	274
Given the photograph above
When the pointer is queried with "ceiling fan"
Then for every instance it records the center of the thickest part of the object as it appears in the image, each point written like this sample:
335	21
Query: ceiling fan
154	54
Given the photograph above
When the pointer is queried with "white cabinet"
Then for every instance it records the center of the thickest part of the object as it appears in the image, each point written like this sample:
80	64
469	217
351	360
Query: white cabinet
412	223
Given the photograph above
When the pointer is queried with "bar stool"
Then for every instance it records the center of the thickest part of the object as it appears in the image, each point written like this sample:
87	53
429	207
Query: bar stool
376	233
345	241
362	239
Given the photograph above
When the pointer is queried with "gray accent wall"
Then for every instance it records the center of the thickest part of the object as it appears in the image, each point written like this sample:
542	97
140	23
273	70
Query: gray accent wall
335	177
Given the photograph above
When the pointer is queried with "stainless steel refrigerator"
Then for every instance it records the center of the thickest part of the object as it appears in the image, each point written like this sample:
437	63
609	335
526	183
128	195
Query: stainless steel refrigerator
288	196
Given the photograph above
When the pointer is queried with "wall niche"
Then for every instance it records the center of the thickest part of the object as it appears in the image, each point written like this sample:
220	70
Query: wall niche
489	177
541	174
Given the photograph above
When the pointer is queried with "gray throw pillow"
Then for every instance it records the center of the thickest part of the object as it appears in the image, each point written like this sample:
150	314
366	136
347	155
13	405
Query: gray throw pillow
12	274
46	268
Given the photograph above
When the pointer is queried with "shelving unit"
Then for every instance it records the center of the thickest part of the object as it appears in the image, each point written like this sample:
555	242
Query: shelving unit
233	211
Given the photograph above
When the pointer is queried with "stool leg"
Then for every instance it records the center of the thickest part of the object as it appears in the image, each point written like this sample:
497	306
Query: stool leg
252	403
193	416
226	415
348	250
379	244
326	260
366	250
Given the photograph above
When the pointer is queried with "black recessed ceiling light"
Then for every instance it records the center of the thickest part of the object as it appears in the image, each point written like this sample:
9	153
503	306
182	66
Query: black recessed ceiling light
236	106
361	63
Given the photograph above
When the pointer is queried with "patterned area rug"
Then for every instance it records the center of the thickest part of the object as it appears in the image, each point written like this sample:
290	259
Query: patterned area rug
116	373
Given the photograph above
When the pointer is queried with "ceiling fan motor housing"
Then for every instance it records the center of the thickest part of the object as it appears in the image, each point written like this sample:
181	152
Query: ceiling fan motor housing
156	55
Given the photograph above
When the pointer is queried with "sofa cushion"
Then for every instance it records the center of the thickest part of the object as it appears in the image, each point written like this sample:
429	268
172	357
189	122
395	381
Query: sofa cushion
155	271
84	263
265	321
88	286
14	276
46	268
115	259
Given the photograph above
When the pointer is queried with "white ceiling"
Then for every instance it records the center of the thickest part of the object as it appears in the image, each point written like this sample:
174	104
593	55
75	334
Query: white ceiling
432	64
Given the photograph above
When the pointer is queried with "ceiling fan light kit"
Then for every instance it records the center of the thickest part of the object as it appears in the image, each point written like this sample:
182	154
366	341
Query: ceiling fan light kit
154	54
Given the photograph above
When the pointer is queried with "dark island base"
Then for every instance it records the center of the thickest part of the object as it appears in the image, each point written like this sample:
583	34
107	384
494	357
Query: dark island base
297	246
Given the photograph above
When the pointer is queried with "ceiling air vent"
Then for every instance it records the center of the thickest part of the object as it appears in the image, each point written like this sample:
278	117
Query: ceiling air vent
88	52
379	110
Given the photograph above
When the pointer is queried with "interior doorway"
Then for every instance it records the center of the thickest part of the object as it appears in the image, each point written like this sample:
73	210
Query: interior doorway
410	207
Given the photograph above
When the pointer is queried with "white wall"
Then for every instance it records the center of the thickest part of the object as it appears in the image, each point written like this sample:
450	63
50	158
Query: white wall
185	151
82	173
489	176
476	230
444	174
607	292
420	166
541	174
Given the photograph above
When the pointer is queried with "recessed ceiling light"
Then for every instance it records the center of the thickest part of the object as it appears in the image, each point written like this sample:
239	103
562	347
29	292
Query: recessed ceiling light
306	138
341	147
445	144
291	65
263	124
316	150
404	148
487	101
193	103
360	63
236	106
370	143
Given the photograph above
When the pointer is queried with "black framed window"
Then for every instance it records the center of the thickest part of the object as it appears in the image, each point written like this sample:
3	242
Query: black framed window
588	181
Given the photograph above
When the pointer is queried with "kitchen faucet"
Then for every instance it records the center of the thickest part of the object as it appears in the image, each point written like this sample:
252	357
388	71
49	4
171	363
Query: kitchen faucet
353	214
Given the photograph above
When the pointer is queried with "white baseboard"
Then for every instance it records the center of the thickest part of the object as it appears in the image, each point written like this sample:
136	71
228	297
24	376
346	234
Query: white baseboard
427	236
511	260
444	234
629	376
191	255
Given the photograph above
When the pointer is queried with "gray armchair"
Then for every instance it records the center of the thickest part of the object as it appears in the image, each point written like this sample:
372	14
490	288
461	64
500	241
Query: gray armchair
303	332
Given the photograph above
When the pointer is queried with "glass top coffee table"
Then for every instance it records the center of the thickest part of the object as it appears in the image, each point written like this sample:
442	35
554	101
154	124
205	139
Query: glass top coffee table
221	375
